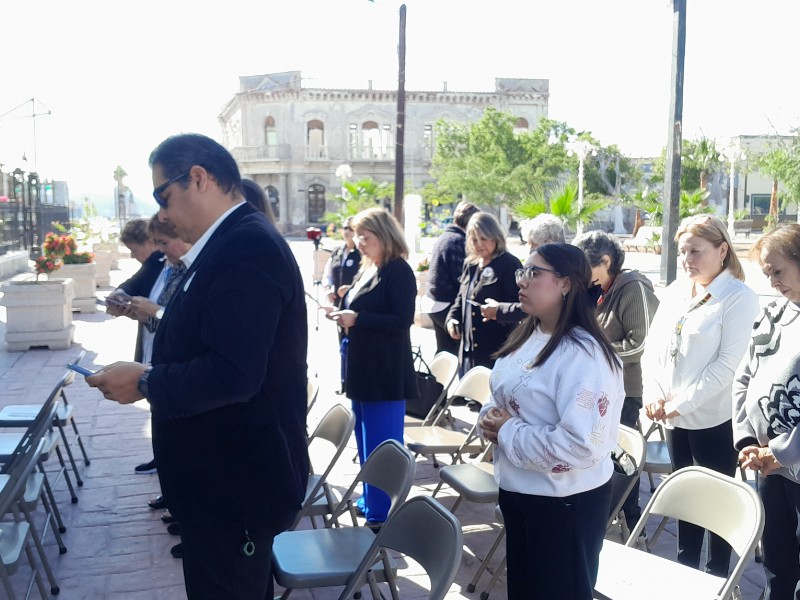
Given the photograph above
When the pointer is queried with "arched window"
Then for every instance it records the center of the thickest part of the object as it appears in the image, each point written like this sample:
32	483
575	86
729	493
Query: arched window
270	137
316	202
370	140
427	141
521	125
315	139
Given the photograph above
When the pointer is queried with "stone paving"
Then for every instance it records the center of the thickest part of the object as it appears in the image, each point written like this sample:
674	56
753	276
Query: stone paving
118	548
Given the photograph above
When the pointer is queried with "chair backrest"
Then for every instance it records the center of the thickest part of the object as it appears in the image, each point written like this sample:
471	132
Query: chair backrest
312	391
424	530
444	368
336	426
632	442
390	468
37	429
474	385
24	461
713	501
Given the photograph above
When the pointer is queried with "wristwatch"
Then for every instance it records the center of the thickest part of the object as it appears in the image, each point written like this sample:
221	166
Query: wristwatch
142	384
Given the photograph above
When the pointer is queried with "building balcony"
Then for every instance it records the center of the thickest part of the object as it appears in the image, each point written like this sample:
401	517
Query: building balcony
266	152
316	152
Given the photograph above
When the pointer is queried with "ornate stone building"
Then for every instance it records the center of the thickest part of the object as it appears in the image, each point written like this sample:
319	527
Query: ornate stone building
291	139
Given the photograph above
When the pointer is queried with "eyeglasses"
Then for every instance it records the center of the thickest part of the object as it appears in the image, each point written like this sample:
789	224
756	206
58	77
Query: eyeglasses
163	188
529	273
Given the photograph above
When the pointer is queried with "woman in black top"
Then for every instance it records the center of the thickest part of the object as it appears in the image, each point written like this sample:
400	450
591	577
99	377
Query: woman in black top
342	266
488	273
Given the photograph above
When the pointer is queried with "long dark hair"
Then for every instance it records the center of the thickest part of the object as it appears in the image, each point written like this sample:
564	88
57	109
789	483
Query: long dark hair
578	310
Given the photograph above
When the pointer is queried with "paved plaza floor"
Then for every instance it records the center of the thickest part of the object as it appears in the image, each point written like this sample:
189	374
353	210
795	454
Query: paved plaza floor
118	548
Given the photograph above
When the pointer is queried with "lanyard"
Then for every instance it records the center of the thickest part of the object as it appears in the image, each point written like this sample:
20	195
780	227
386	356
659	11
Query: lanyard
676	334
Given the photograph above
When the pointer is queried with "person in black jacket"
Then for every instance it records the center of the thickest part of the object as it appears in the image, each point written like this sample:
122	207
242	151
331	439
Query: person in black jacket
227	386
377	318
488	273
446	265
342	266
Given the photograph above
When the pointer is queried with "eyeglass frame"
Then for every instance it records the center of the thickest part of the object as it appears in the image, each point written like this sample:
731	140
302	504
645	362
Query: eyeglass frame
524	272
163	188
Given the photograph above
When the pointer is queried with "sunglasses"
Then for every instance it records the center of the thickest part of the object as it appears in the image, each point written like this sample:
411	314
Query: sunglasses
528	273
160	200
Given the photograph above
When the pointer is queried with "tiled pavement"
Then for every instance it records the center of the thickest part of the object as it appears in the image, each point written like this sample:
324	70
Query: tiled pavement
118	548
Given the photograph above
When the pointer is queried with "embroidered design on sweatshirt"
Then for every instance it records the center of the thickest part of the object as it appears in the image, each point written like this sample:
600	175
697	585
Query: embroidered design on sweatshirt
602	404
781	408
585	399
766	335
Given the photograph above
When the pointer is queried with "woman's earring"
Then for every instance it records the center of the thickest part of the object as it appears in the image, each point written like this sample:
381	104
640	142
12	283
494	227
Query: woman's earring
564	296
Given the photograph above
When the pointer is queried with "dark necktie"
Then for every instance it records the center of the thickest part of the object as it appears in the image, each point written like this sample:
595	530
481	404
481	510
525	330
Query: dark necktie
174	277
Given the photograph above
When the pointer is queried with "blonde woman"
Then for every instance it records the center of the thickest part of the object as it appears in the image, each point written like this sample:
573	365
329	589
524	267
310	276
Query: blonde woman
698	336
377	317
488	273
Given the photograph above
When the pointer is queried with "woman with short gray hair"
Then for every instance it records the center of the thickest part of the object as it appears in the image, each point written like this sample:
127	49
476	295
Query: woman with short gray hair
544	229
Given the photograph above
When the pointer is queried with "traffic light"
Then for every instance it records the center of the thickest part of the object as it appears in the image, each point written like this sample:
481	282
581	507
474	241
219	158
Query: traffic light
33	188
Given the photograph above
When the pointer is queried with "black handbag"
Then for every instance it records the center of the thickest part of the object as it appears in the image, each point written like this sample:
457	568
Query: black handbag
430	390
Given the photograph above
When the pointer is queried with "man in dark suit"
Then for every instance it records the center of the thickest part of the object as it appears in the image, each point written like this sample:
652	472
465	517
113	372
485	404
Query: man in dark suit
227	385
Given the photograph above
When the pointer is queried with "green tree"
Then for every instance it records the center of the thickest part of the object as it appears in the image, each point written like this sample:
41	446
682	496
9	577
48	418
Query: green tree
699	159
490	164
564	205
690	204
782	164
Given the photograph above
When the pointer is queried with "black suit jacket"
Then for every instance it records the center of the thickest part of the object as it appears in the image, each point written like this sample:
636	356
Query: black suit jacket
484	339
228	385
379	361
140	284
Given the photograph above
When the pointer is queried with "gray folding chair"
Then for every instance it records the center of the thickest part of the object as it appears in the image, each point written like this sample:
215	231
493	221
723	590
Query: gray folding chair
312	391
632	442
336	427
328	557
422	529
658	459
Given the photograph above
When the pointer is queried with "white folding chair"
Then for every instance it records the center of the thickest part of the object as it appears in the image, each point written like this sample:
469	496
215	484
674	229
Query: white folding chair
435	439
632	442
422	529
444	368
716	502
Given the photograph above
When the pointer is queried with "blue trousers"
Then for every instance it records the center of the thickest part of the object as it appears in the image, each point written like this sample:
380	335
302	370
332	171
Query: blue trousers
376	422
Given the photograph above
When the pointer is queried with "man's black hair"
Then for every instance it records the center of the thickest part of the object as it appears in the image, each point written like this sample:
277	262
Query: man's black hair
179	153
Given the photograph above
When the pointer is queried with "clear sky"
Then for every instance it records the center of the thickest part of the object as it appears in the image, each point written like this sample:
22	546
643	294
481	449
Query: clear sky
121	75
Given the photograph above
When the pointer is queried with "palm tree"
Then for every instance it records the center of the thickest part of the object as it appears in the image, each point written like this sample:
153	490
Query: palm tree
564	205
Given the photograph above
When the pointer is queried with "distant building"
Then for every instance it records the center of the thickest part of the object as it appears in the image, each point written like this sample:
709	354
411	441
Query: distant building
291	139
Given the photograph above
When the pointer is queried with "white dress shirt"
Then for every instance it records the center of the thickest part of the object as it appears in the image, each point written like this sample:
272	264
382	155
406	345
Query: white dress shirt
697	380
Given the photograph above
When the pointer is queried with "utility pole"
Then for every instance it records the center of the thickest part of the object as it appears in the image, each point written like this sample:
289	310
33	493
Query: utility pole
399	153
672	178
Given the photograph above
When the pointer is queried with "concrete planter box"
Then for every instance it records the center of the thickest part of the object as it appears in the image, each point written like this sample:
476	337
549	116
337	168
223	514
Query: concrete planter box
38	313
112	248
103	261
84	276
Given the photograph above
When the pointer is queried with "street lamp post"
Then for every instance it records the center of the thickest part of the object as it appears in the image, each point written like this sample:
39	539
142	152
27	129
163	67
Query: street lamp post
582	149
733	153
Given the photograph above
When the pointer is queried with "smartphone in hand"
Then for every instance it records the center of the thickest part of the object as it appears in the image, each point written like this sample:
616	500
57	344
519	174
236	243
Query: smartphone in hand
119	298
74	366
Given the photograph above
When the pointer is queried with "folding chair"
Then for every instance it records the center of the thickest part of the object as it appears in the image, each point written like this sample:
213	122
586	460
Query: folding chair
658	459
328	557
422	529
444	368
632	442
14	535
18	471
716	502
434	439
336	427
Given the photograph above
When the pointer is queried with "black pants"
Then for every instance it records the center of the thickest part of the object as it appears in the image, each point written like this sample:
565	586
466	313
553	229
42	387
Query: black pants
215	566
781	538
711	448
630	418
444	343
553	544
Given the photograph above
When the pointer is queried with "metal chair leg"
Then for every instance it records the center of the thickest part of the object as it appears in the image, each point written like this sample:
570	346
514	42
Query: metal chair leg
86	460
67	447
67	478
485	562
51	497
37	541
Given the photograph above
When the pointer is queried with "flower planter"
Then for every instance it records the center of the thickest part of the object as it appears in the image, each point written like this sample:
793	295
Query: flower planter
103	261
112	248
38	314
84	276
